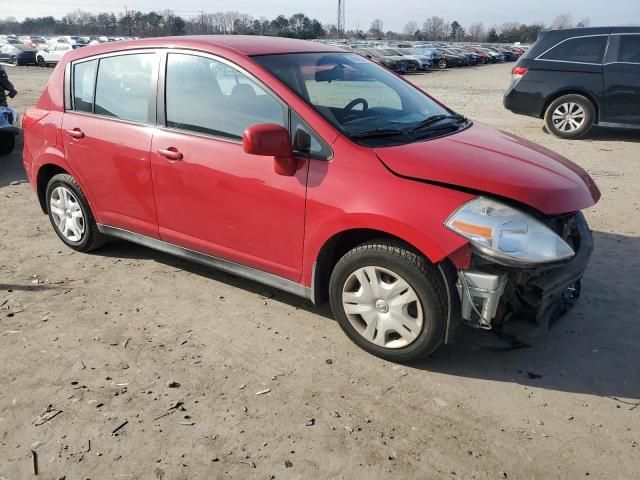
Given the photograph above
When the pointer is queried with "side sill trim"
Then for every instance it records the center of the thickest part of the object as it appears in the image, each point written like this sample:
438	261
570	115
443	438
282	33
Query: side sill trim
627	126
210	261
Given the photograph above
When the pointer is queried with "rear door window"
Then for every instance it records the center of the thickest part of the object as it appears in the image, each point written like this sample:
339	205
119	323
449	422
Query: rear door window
207	96
580	50
629	49
123	88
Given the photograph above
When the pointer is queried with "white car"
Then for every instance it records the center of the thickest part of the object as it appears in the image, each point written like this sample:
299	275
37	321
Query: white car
52	54
66	39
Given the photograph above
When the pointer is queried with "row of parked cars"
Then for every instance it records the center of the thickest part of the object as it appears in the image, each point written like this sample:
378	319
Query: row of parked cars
43	51
411	57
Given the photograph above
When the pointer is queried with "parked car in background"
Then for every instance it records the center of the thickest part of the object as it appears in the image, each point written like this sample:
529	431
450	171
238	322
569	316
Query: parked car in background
17	53
482	55
578	78
398	65
9	128
509	55
444	59
329	178
410	64
52	54
424	62
67	39
495	56
468	58
425	51
33	41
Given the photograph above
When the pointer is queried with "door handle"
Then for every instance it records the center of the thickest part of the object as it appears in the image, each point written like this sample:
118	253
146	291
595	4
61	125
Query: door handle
75	133
171	153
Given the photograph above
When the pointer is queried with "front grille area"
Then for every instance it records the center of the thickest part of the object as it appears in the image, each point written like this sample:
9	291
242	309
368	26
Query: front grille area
563	225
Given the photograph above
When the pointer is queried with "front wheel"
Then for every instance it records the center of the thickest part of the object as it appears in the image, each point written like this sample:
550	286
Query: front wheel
40	61
389	300
570	116
14	61
442	63
70	214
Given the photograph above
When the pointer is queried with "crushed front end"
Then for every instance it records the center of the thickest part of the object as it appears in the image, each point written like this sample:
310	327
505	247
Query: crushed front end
496	290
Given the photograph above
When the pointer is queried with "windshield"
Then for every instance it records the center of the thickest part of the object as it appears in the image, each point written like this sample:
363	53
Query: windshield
366	102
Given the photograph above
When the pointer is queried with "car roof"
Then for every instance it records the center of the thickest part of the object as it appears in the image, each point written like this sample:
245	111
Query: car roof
248	45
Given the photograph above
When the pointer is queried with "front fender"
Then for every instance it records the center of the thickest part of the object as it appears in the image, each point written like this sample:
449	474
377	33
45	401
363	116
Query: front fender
360	193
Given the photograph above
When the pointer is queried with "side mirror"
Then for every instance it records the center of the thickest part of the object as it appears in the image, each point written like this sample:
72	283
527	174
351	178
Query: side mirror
271	140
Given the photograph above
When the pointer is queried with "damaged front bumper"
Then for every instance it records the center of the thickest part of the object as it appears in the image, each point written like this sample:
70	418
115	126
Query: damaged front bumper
493	296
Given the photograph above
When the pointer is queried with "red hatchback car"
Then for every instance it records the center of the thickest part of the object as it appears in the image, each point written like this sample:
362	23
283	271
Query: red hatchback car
316	171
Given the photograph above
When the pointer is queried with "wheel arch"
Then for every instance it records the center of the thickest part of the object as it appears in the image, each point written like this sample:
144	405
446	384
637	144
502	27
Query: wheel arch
572	91
340	243
45	173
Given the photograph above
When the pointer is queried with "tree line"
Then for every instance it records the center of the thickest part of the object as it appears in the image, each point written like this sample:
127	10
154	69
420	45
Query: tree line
166	22
161	23
437	28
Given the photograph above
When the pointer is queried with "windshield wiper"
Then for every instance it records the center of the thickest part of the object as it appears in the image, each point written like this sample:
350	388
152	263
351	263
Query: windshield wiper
378	133
429	121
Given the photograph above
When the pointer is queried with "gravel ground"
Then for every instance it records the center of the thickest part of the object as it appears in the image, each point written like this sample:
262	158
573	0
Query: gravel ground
164	369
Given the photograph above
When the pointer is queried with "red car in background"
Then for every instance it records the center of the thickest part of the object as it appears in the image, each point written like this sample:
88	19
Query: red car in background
316	171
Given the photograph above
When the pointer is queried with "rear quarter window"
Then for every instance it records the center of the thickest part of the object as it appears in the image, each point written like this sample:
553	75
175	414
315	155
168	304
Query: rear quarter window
629	49
579	49
84	75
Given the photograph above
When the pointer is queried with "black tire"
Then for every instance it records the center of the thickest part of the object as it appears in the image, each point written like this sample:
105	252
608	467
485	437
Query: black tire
418	272
91	238
442	63
588	119
14	61
40	61
7	143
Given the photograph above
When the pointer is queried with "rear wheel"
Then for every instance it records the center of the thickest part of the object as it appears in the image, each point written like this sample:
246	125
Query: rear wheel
442	63
70	214
389	300
570	116
7	143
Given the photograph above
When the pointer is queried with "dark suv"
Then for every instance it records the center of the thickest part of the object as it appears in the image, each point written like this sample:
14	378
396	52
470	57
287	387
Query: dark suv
579	77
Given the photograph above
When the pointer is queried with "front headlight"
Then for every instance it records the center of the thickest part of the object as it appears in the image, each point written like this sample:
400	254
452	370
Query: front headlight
500	231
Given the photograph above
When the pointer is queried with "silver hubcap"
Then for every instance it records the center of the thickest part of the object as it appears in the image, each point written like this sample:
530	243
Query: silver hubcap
382	307
67	214
568	117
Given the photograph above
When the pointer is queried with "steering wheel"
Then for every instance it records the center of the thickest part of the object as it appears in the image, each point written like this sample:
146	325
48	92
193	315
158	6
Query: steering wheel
353	103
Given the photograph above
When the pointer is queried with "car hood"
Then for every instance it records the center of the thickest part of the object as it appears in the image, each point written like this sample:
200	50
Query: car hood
486	160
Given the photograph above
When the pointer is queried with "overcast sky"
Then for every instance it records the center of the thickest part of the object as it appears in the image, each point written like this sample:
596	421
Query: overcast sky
361	12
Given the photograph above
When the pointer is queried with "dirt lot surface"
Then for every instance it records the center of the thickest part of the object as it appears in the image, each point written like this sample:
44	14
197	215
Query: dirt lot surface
217	377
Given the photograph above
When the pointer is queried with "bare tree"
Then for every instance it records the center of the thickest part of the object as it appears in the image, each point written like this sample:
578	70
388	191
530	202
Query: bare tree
377	29
585	22
477	32
562	21
410	29
435	28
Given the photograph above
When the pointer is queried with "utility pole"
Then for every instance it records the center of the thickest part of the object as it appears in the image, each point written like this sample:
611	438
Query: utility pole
341	17
202	21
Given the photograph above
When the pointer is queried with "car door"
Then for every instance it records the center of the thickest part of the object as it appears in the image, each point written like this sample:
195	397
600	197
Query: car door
49	53
4	51
622	80
59	51
107	130
211	196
